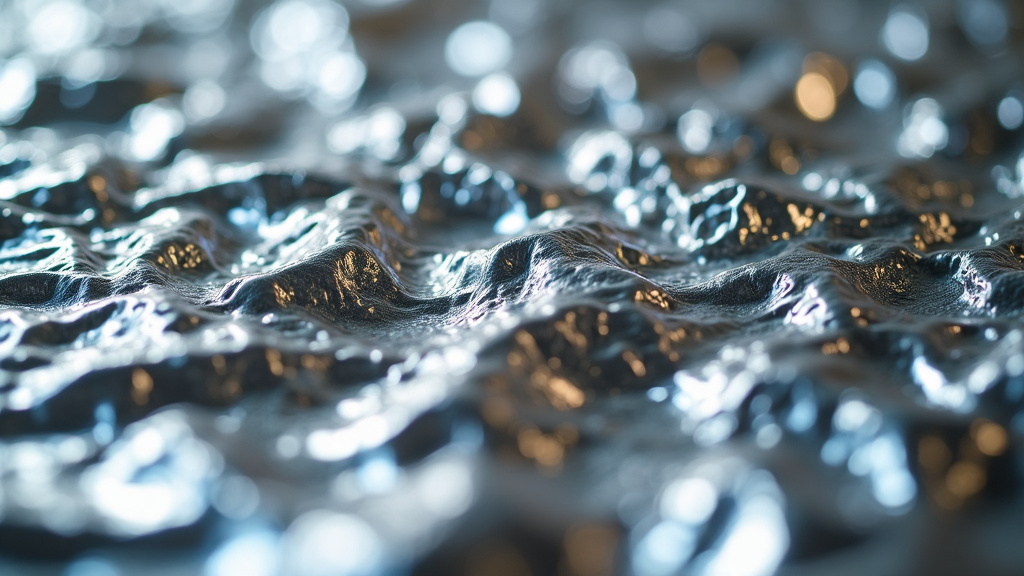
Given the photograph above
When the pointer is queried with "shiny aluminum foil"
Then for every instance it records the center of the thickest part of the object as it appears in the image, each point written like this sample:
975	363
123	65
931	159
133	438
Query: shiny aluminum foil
511	287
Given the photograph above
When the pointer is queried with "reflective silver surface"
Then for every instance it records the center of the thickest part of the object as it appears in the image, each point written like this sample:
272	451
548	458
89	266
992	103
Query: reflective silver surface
511	287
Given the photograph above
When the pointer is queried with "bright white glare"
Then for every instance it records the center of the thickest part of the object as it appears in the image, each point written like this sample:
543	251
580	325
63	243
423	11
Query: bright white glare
937	388
323	543
891	483
203	100
138	508
596	147
451	109
592	67
905	34
72	449
695	130
875	85
812	181
1010	112
854	416
331	445
379	133
810	311
253	554
17	88
89	65
152	478
894	488
377	475
341	75
302	46
372	431
627	116
514	221
153	126
924	132
657	394
193	171
61	26
411	196
756	543
690	500
663	550
713	217
497	94
295	27
446	488
146	446
477	48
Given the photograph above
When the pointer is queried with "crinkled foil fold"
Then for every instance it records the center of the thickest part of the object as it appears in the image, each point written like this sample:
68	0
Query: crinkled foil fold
511	287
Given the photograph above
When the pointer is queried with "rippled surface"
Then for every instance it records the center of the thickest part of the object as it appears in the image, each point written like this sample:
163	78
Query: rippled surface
511	288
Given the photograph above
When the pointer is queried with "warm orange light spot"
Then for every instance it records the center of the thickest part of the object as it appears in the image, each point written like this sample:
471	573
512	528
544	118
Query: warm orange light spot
828	67
790	165
564	394
274	362
815	97
843	345
965	479
991	439
98	184
546	450
142	385
497	412
635	363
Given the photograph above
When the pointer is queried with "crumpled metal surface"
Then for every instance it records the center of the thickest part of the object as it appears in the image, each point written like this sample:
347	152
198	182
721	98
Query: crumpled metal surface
512	287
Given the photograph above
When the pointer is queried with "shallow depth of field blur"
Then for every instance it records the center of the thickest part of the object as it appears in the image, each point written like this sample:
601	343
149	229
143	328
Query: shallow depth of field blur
511	287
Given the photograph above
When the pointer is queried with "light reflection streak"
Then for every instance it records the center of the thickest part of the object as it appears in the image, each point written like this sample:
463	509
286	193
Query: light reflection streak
749	537
17	88
324	543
